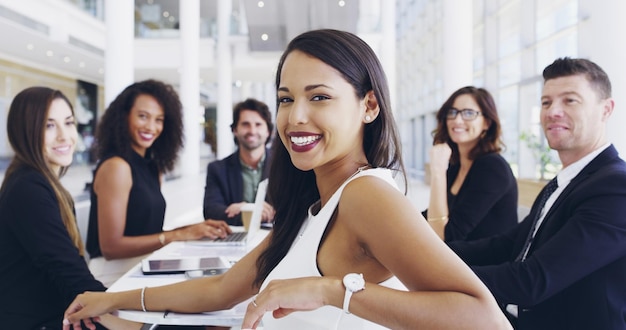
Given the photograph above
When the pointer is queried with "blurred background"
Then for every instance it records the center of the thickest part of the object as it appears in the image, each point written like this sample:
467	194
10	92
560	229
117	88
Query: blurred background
217	52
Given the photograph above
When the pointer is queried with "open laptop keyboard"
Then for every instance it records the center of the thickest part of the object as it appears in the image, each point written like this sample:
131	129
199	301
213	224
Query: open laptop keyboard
233	237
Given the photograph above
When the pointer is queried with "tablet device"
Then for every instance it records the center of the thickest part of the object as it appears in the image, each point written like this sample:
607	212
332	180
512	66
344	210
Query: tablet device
182	265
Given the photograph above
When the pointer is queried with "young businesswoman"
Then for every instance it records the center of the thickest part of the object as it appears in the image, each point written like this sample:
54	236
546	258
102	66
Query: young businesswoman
137	141
338	216
42	267
473	193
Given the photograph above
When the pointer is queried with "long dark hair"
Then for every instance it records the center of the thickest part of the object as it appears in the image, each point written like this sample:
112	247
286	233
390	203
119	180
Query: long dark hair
291	190
26	123
490	141
113	137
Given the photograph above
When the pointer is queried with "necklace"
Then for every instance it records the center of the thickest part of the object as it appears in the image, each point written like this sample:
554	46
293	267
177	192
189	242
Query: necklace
358	170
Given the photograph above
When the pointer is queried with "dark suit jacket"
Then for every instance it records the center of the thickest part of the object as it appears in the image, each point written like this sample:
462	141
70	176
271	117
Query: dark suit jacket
575	274
224	186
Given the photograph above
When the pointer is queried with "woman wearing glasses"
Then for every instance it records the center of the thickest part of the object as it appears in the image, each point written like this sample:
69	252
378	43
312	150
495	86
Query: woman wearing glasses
473	193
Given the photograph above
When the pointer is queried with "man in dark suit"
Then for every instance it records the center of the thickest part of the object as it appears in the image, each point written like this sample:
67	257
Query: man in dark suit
232	182
564	266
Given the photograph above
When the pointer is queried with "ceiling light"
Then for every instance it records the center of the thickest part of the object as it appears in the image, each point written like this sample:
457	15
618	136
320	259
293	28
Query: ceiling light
66	59
264	37
30	46
49	53
101	71
261	4
81	64
166	14
342	3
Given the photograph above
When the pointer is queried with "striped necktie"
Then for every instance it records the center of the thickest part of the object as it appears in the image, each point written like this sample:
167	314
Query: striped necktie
543	198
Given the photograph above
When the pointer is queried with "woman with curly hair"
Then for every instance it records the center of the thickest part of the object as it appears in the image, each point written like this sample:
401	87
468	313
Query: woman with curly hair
137	141
473	193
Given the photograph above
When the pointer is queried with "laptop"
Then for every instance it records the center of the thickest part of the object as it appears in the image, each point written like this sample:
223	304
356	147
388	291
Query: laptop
207	265
240	238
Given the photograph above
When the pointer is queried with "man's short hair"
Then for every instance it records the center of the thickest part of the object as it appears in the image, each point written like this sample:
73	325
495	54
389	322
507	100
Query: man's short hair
252	105
565	66
257	106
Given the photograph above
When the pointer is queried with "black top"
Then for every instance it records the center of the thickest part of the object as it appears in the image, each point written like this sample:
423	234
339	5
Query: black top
41	271
486	204
146	206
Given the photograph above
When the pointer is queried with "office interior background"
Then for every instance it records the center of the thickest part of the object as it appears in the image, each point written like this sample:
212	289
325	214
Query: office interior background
217	52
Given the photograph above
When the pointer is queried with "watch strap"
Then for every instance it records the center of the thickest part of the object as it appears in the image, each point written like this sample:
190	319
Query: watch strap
346	301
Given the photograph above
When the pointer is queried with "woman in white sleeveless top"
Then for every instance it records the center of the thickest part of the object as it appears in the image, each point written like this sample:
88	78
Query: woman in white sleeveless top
348	250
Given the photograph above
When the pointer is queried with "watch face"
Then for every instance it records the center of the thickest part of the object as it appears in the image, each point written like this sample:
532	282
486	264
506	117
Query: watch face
354	282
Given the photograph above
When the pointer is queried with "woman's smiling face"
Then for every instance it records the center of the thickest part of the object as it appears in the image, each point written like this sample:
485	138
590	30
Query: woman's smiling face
466	132
60	135
319	117
145	122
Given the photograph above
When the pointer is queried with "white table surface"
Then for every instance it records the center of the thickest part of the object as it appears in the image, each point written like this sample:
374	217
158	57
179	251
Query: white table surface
135	279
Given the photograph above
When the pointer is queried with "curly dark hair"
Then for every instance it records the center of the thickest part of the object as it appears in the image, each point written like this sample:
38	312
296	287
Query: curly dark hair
113	137
291	190
490	141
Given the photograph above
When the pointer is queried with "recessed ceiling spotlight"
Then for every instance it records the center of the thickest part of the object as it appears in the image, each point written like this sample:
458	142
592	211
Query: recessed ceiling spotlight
66	59
342	3
49	53
166	14
81	64
261	4
264	37
101	71
30	46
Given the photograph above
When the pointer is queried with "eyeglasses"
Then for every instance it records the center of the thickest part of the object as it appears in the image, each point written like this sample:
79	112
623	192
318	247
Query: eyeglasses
466	114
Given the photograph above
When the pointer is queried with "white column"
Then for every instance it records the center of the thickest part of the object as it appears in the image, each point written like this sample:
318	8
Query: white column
225	145
388	47
118	59
457	45
601	29
190	85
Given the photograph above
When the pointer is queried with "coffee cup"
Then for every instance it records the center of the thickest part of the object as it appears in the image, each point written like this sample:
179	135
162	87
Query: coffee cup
246	215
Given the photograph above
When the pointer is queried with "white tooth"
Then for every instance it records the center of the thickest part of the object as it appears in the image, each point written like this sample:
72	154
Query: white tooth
303	140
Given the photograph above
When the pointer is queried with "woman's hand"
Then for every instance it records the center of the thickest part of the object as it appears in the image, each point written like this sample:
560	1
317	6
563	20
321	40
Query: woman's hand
208	228
440	157
87	307
283	297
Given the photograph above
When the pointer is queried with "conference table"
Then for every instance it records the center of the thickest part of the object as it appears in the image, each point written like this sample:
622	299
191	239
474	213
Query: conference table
135	279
